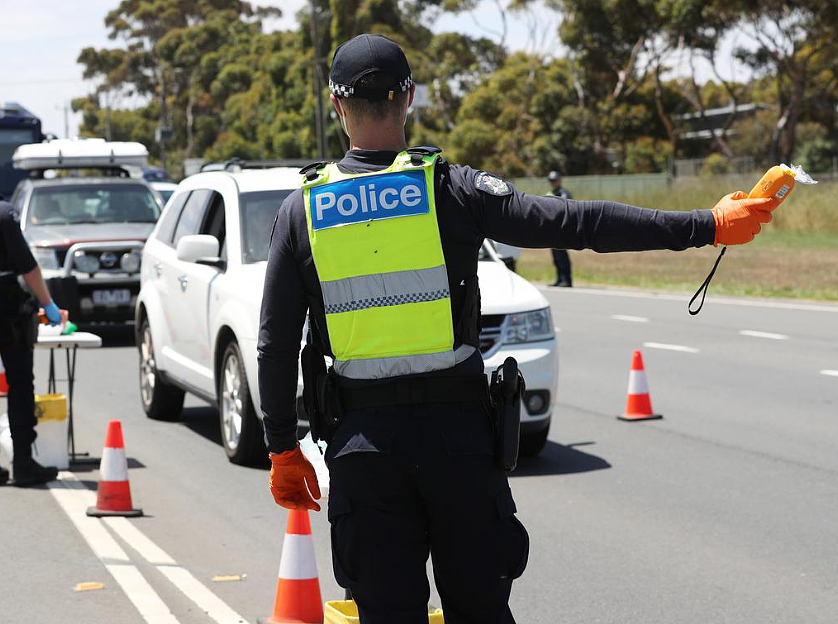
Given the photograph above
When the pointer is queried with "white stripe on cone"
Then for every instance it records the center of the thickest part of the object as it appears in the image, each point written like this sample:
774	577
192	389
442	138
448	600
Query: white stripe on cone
297	562
114	466
637	382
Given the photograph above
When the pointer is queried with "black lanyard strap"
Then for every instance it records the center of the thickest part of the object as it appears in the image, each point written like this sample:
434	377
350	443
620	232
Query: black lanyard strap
702	290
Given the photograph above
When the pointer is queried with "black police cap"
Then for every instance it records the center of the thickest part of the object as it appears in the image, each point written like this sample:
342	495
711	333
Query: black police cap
364	55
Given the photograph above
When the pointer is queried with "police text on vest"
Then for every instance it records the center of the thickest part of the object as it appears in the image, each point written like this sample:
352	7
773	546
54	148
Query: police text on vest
368	198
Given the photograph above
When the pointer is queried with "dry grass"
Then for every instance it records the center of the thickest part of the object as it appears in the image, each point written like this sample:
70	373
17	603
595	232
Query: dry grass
755	270
809	209
796	256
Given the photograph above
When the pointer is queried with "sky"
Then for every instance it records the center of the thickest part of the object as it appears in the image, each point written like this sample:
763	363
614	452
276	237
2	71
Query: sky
43	39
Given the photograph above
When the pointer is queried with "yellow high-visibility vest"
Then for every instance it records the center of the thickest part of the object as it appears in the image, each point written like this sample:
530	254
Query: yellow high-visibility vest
376	246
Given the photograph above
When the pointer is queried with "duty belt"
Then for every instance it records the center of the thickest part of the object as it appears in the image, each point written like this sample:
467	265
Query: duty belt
416	391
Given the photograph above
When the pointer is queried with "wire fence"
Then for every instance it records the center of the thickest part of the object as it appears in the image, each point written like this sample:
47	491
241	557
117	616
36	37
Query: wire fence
629	185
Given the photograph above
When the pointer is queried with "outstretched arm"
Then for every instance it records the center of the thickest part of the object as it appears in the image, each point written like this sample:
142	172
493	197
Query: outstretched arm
510	216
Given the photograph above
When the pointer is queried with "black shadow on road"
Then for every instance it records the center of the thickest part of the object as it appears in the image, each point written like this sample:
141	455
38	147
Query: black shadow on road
203	421
92	463
556	459
113	335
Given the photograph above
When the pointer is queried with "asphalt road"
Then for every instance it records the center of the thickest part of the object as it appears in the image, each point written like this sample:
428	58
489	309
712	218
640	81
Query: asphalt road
724	511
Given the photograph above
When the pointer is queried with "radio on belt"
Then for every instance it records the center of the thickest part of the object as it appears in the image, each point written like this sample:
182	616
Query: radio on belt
506	389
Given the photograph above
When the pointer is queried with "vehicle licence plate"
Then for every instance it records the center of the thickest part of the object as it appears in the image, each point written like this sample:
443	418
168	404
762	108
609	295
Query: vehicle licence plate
112	297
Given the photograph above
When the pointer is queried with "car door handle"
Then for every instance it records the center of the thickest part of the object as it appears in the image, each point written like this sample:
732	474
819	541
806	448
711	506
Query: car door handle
184	282
158	268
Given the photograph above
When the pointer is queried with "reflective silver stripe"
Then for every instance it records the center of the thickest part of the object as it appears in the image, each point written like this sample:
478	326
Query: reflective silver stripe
380	368
385	289
5	273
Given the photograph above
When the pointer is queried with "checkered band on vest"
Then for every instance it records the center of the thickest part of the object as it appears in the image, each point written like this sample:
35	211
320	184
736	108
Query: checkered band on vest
390	300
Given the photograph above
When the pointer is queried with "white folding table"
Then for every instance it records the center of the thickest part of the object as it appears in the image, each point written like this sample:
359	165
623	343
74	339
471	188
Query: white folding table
71	344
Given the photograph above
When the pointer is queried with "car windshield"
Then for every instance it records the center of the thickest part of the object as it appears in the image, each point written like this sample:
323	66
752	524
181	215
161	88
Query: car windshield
258	211
165	195
92	203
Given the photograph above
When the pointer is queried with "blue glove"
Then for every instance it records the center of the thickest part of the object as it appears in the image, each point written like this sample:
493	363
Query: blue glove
53	313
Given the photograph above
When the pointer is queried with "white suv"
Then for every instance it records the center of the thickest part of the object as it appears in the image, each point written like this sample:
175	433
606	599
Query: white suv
197	314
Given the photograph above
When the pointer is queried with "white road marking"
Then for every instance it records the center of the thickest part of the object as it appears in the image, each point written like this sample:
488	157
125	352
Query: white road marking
831	373
74	499
782	305
131	535
78	498
181	578
139	592
760	334
629	318
670	347
208	602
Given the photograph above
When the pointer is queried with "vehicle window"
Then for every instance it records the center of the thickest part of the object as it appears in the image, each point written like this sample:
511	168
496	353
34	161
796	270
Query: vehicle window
258	212
192	215
214	223
92	203
164	195
170	218
17	198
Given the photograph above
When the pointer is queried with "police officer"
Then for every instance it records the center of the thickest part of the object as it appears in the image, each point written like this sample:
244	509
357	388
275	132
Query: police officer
380	250
18	332
561	259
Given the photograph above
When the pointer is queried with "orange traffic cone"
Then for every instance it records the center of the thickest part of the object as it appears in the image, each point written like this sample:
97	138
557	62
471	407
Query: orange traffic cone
638	403
114	490
4	383
297	588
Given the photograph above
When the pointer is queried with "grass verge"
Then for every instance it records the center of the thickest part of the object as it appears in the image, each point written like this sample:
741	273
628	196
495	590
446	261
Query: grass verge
778	268
795	256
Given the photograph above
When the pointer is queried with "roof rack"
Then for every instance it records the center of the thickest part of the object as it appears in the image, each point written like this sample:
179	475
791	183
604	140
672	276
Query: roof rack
80	154
239	164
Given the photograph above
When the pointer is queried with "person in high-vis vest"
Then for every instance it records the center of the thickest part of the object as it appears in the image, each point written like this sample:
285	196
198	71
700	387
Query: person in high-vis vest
380	252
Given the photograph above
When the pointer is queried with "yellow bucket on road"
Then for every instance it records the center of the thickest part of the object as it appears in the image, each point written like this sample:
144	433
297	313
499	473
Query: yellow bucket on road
346	612
50	448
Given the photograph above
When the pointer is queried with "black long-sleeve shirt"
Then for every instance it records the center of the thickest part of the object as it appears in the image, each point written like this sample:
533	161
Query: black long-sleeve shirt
471	205
15	256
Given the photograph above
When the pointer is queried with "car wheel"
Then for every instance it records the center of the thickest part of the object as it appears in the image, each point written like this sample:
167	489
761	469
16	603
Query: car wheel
531	443
241	431
161	401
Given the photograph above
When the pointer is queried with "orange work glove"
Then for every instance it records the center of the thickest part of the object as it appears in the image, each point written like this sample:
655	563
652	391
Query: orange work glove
738	217
292	478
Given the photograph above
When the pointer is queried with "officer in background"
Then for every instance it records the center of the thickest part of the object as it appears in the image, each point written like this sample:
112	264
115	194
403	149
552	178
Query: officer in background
385	266
561	259
18	333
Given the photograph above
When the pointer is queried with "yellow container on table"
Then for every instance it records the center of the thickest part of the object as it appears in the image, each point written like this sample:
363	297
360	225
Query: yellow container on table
346	612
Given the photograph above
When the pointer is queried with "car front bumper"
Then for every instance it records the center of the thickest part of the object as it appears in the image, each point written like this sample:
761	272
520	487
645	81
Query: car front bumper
76	295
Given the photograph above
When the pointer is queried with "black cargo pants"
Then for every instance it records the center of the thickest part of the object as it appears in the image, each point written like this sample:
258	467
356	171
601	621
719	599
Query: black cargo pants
406	482
17	358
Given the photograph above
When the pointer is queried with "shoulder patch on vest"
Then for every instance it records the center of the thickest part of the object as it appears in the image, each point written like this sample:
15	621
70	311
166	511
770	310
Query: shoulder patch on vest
491	184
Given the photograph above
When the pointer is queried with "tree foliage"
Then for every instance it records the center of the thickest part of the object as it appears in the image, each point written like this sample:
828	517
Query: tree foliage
211	78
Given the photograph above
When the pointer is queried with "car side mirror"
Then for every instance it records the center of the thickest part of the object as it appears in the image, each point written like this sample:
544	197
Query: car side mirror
198	248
